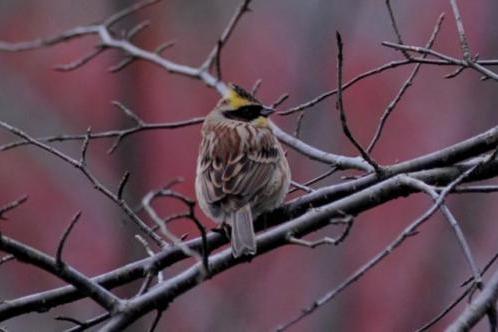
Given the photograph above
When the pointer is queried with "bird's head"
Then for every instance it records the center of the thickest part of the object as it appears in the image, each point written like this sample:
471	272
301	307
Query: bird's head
240	105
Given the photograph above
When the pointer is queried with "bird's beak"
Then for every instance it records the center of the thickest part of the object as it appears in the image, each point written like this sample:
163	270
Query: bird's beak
266	111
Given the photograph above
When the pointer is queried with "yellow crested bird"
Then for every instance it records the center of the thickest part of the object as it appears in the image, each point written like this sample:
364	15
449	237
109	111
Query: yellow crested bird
241	168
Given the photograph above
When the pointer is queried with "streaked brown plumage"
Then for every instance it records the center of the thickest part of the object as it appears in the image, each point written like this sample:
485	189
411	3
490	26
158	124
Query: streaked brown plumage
241	169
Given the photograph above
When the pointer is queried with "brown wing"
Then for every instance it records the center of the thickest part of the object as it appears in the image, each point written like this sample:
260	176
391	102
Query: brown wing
231	178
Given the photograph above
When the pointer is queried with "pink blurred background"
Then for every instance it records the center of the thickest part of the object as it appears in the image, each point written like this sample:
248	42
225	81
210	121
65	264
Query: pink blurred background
290	45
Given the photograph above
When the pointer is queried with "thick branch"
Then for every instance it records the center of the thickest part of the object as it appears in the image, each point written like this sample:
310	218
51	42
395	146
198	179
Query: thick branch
478	308
90	288
352	204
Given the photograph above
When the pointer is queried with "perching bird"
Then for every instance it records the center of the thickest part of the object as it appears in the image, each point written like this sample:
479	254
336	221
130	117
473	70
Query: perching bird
241	168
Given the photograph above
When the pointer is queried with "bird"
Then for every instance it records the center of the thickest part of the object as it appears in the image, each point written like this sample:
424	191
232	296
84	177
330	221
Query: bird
242	170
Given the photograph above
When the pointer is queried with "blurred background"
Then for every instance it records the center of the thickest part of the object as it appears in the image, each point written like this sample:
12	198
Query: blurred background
290	45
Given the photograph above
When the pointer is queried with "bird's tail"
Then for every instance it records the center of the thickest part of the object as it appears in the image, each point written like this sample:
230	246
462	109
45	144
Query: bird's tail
243	237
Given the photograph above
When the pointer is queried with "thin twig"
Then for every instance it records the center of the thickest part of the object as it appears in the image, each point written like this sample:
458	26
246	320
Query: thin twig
302	187
243	8
316	179
137	29
346	220
86	172
312	244
478	308
461	31
107	134
299	123
280	100
7	258
128	11
164	46
156	320
84	147
407	232
121	65
256	86
483	189
11	206
395	26
148	278
76	64
122	184
82	326
360	77
459	299
62	241
404	87
445	59
342	113
166	192
422	186
217	61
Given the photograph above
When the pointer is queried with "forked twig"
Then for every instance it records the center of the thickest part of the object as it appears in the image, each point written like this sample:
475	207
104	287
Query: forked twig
404	87
408	232
342	113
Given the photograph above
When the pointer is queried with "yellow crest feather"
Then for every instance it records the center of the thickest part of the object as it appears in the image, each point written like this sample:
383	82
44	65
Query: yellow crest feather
236	100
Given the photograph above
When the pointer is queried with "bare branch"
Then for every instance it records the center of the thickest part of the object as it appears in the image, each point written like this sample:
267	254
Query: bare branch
62	242
215	52
280	100
473	189
128	112
325	95
407	232
341	162
96	183
82	326
347	220
316	179
81	61
340	108
156	320
122	184
395	26
164	46
459	299
128	11
356	198
422	186
11	206
404	87
148	278
25	253
302	187
461	31
217	61
256	86
121	65
312	244
166	192
7	258
137	29
84	147
478	308
446	59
